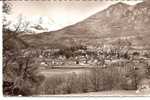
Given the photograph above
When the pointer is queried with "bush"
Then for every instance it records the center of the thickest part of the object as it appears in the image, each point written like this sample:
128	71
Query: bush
85	83
66	84
51	84
97	79
106	79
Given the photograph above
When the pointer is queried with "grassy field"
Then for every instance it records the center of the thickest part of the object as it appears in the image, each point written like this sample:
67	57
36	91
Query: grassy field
62	70
111	93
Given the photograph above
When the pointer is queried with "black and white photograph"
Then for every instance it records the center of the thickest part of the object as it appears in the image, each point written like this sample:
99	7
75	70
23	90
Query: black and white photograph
75	48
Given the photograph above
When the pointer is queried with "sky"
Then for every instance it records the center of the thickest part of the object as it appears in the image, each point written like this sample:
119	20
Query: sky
61	13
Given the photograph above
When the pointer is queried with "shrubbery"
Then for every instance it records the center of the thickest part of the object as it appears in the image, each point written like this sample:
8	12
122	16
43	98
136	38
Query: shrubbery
97	79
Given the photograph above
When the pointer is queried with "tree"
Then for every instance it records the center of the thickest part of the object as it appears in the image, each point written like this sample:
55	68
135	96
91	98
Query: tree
6	7
27	73
122	47
6	11
21	25
139	72
19	71
13	36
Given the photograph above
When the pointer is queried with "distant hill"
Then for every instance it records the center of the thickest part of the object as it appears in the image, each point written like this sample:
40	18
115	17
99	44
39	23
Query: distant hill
12	41
117	21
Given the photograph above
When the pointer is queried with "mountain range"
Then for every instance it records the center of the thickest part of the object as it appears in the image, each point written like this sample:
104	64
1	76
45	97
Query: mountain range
120	20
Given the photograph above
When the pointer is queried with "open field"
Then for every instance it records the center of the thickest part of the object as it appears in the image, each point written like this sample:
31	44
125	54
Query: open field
62	70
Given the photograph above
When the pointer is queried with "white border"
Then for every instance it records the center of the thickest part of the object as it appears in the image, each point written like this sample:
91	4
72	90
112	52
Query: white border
54	97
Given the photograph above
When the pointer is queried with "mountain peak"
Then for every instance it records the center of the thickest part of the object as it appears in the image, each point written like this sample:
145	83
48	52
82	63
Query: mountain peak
117	10
117	21
120	5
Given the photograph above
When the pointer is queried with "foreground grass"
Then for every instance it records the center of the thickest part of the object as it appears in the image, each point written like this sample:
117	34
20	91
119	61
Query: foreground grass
110	93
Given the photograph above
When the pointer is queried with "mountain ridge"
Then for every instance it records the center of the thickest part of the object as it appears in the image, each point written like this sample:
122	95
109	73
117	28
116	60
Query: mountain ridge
118	20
